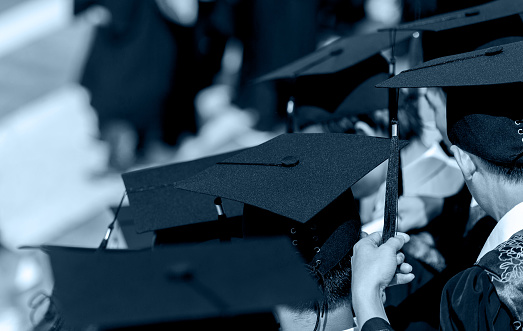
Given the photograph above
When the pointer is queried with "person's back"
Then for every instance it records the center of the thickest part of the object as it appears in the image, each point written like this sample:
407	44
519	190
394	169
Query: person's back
485	126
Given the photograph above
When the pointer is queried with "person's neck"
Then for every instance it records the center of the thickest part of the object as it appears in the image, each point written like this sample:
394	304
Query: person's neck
337	319
500	197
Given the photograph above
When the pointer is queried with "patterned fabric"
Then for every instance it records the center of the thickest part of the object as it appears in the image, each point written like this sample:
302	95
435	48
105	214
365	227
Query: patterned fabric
504	265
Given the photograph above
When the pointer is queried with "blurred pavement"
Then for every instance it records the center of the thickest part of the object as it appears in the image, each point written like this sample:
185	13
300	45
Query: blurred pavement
51	190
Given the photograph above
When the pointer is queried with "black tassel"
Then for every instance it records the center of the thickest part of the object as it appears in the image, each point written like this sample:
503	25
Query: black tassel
391	196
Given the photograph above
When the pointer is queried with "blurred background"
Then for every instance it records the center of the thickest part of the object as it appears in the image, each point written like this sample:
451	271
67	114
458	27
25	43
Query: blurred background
93	88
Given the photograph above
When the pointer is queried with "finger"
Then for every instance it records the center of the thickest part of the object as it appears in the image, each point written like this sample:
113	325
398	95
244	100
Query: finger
405	268
395	243
400	279
405	236
363	234
400	257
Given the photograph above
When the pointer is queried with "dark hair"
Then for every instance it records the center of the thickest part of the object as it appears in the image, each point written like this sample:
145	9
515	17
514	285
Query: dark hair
335	288
336	229
512	174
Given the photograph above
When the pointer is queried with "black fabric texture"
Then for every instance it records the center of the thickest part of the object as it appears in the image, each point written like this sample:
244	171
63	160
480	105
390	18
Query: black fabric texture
469	302
471	37
376	324
483	120
329	164
132	239
322	241
120	288
494	65
339	55
338	92
156	204
464	17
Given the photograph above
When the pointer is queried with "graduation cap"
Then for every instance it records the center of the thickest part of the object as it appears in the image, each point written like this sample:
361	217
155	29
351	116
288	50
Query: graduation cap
327	70
323	101
125	220
467	29
157	204
176	285
336	56
297	176
483	93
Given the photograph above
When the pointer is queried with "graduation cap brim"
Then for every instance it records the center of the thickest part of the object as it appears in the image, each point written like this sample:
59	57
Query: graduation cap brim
156	204
490	66
293	175
339	55
460	18
117	288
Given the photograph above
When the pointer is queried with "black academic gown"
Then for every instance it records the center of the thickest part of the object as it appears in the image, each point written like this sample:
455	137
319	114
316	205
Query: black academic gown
489	295
486	296
470	302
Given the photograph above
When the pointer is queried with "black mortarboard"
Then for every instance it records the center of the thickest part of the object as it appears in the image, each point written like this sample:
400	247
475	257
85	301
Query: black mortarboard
483	90
337	56
325	77
133	240
467	29
156	204
113	289
327	97
468	16
297	176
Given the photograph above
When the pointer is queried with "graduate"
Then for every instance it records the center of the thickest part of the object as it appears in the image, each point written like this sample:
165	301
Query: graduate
485	126
298	185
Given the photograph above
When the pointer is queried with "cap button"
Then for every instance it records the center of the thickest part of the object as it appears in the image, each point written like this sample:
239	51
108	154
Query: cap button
494	51
336	52
180	272
472	13
290	161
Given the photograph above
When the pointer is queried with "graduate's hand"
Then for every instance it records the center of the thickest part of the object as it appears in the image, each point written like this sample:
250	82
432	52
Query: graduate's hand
375	267
369	257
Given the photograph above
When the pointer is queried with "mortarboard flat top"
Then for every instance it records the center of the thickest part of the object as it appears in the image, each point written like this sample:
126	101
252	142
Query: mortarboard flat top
483	93
293	175
119	288
495	65
469	16
468	29
339	55
156	204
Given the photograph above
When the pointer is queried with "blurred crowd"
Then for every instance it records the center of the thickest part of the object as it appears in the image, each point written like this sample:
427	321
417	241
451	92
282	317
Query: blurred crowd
169	76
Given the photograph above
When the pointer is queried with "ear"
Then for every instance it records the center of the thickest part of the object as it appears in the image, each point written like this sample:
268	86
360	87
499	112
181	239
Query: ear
364	129
467	166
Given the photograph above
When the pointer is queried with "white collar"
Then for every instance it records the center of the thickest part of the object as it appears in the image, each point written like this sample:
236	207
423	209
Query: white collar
509	224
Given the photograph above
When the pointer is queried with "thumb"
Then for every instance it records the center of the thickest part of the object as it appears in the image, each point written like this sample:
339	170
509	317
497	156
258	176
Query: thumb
374	238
